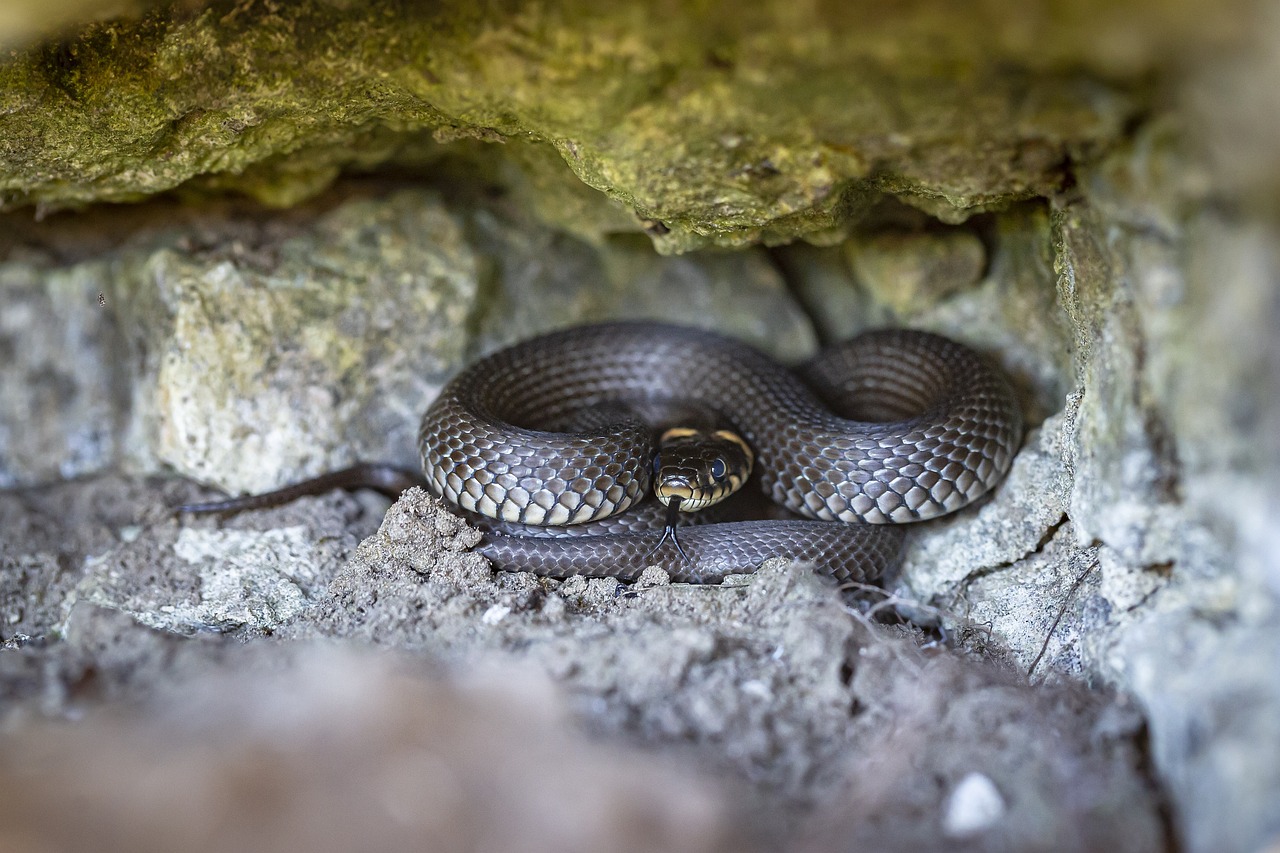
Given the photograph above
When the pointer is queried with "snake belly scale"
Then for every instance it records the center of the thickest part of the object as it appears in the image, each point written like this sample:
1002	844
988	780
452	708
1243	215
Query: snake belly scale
894	426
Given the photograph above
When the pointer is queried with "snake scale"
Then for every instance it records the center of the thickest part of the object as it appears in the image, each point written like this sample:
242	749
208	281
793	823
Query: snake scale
894	426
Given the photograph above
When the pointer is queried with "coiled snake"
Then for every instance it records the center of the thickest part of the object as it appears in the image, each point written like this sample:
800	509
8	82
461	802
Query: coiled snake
895	426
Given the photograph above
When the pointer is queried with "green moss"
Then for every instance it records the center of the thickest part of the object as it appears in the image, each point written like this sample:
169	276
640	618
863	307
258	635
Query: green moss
702	124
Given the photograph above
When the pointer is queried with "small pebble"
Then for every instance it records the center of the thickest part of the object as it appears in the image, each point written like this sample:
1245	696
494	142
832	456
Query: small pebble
973	807
495	614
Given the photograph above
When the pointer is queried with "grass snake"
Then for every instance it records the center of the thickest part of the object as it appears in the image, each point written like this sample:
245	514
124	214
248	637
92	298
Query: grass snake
894	426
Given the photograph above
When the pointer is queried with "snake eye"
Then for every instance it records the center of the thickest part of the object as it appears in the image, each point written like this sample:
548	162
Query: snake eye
718	469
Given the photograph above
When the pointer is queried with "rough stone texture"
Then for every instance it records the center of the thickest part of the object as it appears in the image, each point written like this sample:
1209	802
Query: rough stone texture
250	353
131	555
273	359
1204	391
50	323
692	667
907	272
1133	542
344	323
809	727
707	123
916	756
1009	313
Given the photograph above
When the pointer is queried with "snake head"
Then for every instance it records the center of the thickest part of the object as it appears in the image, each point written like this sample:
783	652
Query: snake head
695	468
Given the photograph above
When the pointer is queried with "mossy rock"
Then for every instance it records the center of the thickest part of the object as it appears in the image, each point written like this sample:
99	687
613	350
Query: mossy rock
700	123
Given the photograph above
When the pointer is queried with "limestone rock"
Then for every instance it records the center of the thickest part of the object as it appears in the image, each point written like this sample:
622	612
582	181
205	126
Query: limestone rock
247	354
699	123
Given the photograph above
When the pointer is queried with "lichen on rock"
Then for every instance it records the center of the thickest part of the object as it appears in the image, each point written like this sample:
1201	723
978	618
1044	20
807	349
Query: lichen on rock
701	125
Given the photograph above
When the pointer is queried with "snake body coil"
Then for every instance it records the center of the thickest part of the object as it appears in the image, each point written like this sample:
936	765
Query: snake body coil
894	426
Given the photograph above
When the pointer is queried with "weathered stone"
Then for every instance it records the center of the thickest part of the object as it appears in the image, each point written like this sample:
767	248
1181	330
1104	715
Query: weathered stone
906	731
285	362
704	124
908	272
752	676
249	355
537	280
233	579
1029	505
1010	314
63	399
